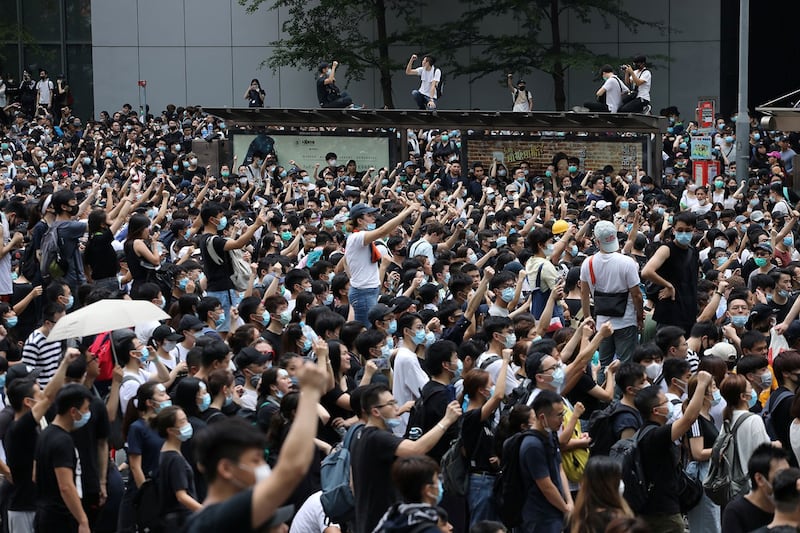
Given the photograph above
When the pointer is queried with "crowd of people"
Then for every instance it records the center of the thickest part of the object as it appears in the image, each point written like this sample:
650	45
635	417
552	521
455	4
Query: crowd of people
470	342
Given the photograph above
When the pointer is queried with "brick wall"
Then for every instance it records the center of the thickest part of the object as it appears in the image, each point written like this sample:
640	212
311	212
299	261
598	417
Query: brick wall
593	154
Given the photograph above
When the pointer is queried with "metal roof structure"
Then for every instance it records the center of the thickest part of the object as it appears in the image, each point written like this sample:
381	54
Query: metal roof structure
782	113
402	118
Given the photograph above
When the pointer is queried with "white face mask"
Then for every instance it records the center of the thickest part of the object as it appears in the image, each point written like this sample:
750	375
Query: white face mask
653	370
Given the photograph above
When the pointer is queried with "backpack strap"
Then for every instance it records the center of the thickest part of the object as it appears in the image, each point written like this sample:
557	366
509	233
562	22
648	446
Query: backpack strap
212	253
488	362
739	422
591	271
348	437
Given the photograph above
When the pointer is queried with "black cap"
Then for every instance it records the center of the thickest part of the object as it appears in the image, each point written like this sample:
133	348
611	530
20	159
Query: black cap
190	322
323	65
164	332
249	356
379	311
761	312
791	334
401	303
21	371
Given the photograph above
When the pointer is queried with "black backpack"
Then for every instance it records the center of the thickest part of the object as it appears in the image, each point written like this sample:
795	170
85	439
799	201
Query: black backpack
416	426
509	491
769	410
628	454
601	427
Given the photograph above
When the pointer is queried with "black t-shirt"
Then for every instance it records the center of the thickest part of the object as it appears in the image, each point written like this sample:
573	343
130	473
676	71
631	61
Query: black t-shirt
782	310
174	474
28	319
55	449
660	462
20	444
187	449
234	514
100	255
326	93
219	276
371	458
326	432
781	419
86	439
776	529
437	397
741	516
478	441
274	340
580	393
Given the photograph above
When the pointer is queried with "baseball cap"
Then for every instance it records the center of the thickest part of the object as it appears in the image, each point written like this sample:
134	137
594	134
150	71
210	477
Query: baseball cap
402	303
776	155
761	312
409	164
190	322
606	235
249	356
164	332
602	204
379	311
740	218
340	218
361	209
765	246
756	216
21	371
560	226
723	350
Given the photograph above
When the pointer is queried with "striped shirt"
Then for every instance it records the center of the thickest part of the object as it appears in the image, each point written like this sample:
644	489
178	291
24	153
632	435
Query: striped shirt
42	355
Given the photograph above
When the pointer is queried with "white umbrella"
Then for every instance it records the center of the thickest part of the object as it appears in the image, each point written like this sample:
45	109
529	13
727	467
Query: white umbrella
105	315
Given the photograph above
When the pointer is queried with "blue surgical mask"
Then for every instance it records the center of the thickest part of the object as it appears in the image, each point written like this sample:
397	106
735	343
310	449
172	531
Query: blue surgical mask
223	223
459	369
392	329
205	403
228	400
430	338
716	397
684	238
508	294
623	205
265	318
371	226
70	301
163	405
753	399
558	378
145	354
510	340
419	337
286	317
221	320
766	379
386	351
783	294
788	241
182	284
739	320
392	423
185	433
12	321
548	250
78	424
440	495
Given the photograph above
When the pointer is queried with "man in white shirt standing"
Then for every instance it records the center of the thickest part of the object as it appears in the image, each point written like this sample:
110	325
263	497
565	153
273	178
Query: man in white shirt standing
612	279
639	78
426	95
44	90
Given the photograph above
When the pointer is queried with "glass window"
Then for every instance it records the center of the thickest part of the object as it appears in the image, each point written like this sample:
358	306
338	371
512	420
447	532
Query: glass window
41	19
46	56
9	62
79	77
79	20
9	10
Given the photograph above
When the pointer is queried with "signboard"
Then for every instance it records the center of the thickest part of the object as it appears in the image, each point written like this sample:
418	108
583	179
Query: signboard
701	148
705	114
308	150
704	171
592	154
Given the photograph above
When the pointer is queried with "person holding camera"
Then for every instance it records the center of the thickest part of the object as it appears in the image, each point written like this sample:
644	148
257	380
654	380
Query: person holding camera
609	95
639	78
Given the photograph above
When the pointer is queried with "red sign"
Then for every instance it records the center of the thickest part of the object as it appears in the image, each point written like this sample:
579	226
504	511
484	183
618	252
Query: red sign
704	171
142	83
705	114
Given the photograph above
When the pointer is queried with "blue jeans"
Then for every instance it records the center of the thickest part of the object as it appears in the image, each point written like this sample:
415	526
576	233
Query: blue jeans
362	300
422	100
548	525
479	498
622	343
228	299
705	516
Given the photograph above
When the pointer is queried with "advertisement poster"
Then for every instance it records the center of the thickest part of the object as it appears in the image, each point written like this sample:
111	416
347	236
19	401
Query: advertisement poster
701	148
308	150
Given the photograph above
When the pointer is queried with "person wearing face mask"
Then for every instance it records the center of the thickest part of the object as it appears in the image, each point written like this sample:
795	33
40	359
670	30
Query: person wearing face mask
418	483
243	494
659	457
176	478
748	512
756	369
165	339
676	375
702	435
69	230
482	399
223	398
274	385
373	454
279	318
252	364
779	410
507	292
409	376
542	274
674	268
762	259
57	464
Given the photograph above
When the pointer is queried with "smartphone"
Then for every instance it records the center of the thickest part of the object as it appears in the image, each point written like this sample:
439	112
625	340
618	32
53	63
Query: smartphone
382	363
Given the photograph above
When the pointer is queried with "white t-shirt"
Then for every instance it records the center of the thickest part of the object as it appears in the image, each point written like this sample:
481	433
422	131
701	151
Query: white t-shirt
129	389
794	437
6	287
644	89
613	273
749	436
249	399
422	247
45	88
409	378
363	272
311	517
494	370
428	77
614	91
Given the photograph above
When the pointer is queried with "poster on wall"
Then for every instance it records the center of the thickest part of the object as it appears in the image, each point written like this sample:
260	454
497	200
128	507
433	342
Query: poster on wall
308	150
591	155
